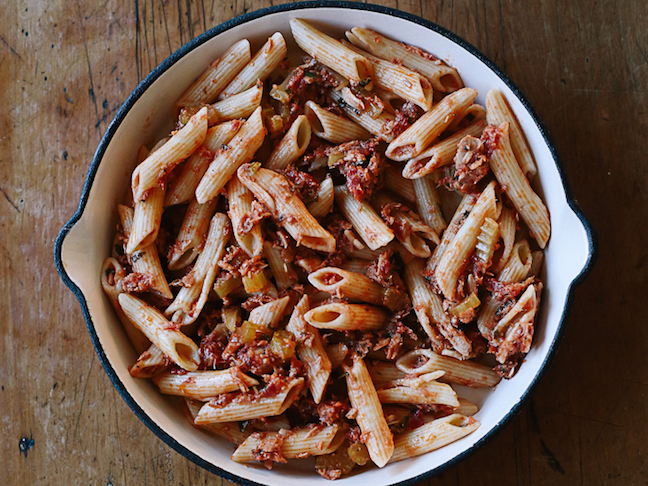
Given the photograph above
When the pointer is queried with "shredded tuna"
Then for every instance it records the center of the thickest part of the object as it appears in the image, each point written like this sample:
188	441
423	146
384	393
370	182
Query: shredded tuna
257	213
469	167
137	282
301	182
362	165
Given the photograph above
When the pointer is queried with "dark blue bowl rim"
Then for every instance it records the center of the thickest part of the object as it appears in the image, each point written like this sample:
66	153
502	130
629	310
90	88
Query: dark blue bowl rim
177	55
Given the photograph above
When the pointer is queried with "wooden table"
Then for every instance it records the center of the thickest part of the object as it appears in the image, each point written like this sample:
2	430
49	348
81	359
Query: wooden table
65	68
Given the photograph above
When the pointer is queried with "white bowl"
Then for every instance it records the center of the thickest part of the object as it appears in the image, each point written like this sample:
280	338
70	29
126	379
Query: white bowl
85	241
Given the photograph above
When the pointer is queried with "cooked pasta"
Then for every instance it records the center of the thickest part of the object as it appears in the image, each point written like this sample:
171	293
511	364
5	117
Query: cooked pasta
323	306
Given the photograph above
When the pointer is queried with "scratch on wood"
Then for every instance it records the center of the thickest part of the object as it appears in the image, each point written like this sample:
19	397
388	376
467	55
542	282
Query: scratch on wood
180	21
137	41
9	199
202	3
166	27
85	387
502	34
551	458
189	22
85	46
13	51
146	42
154	36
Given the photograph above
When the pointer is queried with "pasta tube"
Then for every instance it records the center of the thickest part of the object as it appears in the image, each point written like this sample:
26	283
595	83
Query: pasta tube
398	79
240	206
329	126
112	273
517	188
218	75
175	345
183	188
310	350
498	112
332	53
432	436
203	385
364	219
370	416
440	154
191	237
423	131
276	194
314	440
250	405
241	150
189	302
260	67
292	145
346	317
443	78
159	163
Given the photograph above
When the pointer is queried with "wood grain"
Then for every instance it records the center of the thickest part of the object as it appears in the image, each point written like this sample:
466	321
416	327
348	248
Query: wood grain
65	69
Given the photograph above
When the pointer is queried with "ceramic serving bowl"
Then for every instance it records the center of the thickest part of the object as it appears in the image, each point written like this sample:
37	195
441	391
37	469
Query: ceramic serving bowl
85	241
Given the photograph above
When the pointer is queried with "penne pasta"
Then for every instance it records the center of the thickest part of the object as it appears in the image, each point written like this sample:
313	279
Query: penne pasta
398	79
240	105
240	150
517	188
364	219
292	145
467	373
150	363
295	443
410	229
192	235
323	203
441	153
183	188
442	77
432	436
203	385
464	242
398	185
276	194
146	221
231	431
147	260
378	125
248	236
218	75
268	315
336	354
370	417
331	127
518	265
190	300
310	350
429	393
175	345
413	141
346	317
250	405
332	53
347	285
112	273
428	204
284	275
259	68
429	310
159	163
498	112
